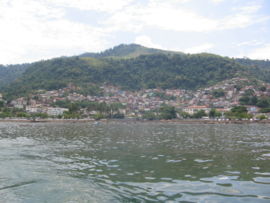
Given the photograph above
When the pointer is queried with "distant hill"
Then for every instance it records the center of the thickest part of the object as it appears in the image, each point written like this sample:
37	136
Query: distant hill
132	67
128	51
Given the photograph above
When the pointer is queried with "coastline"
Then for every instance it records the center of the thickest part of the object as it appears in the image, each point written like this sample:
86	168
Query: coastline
185	121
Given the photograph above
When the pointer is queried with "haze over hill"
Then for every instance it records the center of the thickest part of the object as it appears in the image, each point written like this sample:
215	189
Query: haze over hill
130	67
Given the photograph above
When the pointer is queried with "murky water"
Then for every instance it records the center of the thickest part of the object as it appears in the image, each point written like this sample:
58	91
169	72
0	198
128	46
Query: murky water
138	162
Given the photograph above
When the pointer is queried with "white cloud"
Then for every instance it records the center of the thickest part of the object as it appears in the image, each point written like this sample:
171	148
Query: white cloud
173	16
37	29
243	16
165	16
217	1
34	31
250	8
261	53
96	5
250	43
147	41
199	49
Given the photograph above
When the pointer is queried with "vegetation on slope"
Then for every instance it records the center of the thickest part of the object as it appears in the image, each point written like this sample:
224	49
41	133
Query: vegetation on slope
258	68
131	67
127	51
146	71
10	73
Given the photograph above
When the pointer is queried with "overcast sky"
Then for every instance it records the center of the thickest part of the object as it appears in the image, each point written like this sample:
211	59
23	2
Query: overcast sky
32	30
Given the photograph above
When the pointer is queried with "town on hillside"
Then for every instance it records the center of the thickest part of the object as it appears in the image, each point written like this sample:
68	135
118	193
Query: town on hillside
237	98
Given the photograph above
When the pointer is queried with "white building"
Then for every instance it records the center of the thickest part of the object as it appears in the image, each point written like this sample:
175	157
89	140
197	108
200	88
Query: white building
194	109
56	111
31	109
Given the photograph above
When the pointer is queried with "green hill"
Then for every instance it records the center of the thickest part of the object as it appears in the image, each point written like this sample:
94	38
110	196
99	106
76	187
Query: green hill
258	68
127	51
131	67
146	71
10	73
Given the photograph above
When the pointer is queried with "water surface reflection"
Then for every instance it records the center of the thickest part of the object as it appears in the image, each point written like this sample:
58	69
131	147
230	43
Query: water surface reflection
134	162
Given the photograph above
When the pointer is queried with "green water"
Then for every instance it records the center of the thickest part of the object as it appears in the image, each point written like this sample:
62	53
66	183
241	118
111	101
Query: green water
134	162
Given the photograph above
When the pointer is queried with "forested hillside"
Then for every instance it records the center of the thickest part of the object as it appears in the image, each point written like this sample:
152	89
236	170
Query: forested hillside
146	71
131	67
10	73
259	68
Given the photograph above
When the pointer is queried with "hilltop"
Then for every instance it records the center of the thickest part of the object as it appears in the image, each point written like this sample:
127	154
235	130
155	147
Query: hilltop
128	51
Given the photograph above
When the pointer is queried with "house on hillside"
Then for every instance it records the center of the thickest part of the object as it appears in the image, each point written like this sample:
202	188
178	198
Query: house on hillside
19	103
55	111
194	109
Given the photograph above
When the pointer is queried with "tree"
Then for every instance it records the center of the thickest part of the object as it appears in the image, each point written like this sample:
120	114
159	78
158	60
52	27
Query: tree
263	88
167	112
149	115
263	103
249	92
118	116
265	110
239	109
214	113
2	104
238	112
184	114
248	100
73	107
199	114
218	93
261	117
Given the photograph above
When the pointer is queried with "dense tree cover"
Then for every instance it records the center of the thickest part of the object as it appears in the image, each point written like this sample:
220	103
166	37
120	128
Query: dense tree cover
249	98
265	110
213	113
218	93
177	71
150	115
103	110
11	112
19	113
261	117
258	68
131	67
147	71
50	75
238	112
165	112
264	102
199	114
9	73
265	64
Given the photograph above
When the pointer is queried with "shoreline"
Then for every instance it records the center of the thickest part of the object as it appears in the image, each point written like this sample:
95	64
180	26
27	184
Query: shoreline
187	121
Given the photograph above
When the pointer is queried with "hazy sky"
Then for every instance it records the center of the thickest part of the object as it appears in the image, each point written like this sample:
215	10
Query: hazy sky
39	29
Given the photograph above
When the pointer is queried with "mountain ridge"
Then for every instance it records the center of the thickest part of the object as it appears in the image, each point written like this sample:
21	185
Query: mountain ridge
127	51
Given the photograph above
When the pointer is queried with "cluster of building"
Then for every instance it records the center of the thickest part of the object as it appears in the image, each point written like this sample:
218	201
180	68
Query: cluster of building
134	103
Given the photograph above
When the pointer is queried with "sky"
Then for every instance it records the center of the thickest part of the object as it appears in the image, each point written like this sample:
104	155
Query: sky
33	30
